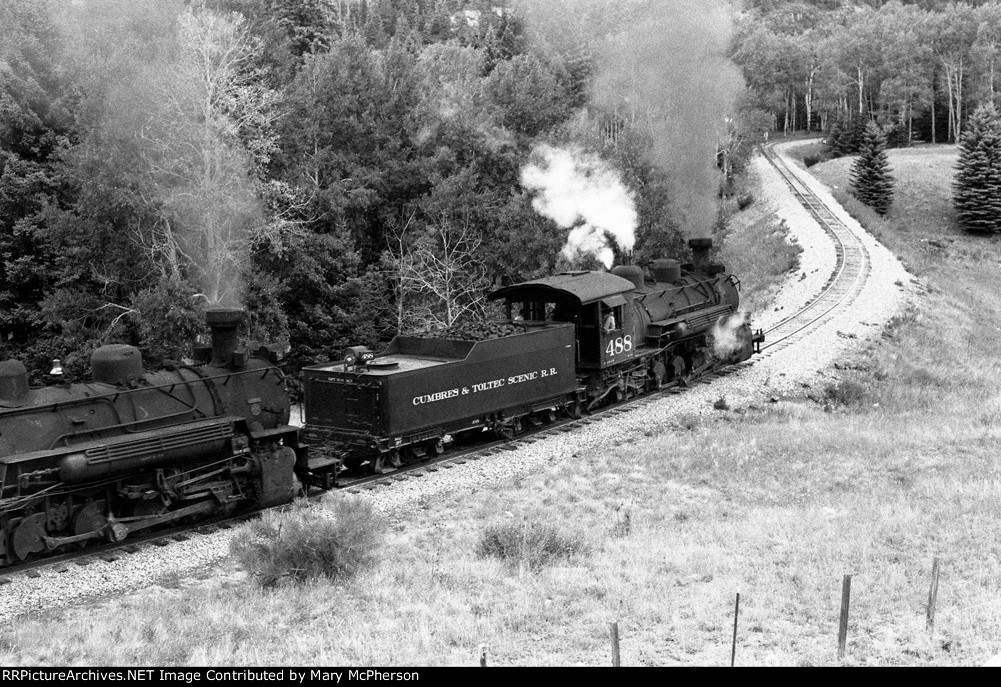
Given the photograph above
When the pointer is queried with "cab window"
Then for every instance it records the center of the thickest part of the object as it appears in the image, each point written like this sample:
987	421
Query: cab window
611	318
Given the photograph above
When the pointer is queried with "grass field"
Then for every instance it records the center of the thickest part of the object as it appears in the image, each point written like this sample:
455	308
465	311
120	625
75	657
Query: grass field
893	466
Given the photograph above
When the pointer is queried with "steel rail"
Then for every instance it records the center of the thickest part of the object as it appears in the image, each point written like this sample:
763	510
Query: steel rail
851	267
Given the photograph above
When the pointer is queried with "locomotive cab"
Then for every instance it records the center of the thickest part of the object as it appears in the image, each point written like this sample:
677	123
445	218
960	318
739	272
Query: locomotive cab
596	303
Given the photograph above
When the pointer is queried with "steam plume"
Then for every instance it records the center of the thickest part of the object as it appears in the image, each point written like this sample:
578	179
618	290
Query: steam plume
726	338
580	192
660	68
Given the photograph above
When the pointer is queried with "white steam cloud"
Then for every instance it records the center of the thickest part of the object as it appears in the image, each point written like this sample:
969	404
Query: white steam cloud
580	192
729	335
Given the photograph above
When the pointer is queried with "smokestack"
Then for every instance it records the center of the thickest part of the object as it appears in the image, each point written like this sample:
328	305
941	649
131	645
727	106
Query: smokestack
700	253
224	322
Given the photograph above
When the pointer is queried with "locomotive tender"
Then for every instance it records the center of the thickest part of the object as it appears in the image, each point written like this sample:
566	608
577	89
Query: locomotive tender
585	338
129	451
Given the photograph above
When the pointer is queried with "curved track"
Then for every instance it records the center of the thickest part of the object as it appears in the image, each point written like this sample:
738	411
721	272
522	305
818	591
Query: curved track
846	281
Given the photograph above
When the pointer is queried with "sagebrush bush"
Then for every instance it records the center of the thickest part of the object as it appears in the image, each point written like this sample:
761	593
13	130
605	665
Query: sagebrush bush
846	392
533	544
332	540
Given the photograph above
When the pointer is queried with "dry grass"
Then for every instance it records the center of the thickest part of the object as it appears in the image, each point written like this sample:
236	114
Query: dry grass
777	503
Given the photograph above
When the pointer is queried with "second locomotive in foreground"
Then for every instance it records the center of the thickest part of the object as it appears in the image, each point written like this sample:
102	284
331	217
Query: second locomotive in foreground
130	451
583	338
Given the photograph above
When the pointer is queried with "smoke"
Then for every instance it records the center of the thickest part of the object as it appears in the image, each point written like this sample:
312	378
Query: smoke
162	85
660	68
729	334
580	192
667	73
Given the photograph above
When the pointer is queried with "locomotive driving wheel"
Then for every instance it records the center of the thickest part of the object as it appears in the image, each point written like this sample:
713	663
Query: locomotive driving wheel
29	536
89	519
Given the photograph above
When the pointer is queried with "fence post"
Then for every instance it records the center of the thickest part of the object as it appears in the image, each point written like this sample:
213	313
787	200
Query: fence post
932	596
846	592
613	631
736	613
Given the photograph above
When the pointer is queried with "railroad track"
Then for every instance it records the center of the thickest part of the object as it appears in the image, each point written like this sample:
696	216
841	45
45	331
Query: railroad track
846	281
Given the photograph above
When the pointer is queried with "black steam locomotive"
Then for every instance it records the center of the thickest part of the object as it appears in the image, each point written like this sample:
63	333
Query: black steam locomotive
129	451
584	338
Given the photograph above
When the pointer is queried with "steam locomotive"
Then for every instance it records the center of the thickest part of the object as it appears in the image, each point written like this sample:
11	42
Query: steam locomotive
584	338
129	451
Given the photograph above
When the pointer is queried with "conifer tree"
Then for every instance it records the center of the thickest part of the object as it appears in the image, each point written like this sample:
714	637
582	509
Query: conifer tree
871	181
834	140
976	191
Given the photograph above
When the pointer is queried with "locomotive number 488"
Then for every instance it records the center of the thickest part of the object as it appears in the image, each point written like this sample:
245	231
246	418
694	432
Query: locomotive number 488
622	344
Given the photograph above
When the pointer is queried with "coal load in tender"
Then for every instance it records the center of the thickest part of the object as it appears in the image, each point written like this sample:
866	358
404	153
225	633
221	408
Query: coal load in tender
476	331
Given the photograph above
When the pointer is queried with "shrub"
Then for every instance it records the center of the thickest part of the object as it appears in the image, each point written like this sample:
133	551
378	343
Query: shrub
847	392
900	322
532	544
334	540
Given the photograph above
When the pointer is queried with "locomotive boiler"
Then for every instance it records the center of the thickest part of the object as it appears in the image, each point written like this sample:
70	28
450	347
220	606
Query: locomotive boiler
582	339
128	451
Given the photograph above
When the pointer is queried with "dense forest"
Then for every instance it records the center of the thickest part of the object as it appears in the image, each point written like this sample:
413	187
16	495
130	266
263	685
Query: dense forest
349	169
919	69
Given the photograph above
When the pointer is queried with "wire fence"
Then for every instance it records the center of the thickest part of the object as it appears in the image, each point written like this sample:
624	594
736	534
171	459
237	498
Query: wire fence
840	642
